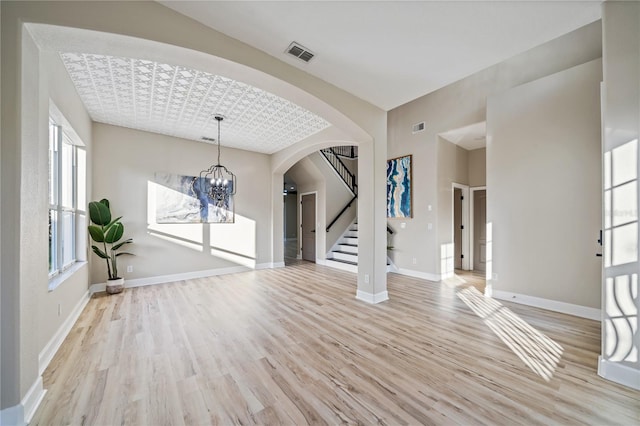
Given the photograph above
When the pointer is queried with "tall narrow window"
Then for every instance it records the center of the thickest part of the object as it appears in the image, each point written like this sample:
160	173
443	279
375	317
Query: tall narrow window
67	197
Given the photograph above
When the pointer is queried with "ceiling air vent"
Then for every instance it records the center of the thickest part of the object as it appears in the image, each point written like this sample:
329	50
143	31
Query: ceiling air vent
419	127
300	52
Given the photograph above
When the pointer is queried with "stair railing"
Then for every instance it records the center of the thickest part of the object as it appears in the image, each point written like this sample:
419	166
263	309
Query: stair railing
347	177
345	174
346	151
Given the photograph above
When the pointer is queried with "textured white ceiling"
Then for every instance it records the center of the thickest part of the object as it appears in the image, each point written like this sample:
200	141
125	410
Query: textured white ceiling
392	52
179	101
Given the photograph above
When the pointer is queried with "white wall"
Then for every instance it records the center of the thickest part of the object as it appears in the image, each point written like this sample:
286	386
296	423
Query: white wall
453	167
461	104
70	292
34	313
124	164
543	180
478	167
310	179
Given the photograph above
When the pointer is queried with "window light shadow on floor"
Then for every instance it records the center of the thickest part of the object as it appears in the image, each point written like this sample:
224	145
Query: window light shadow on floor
536	350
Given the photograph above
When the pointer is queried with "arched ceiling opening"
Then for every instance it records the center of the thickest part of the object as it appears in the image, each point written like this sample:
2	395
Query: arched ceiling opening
161	88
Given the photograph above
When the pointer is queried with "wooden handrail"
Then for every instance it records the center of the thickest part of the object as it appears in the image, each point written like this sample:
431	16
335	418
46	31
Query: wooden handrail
344	209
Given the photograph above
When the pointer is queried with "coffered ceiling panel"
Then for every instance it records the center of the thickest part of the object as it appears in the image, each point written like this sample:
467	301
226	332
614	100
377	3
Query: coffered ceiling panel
179	101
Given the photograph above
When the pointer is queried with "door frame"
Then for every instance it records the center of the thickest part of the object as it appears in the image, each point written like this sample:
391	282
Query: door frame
465	223
300	195
471	220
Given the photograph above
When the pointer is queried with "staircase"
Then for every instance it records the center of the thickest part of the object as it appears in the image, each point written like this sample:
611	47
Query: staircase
345	253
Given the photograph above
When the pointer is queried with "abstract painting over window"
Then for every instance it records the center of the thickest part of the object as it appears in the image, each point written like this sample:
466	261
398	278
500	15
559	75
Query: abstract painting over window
399	187
182	199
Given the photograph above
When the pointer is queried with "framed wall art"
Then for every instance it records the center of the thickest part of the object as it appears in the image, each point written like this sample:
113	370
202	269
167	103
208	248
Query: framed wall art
399	187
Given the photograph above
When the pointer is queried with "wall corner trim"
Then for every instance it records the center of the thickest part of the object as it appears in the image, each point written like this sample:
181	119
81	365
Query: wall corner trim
32	399
418	274
50	349
372	298
619	373
551	305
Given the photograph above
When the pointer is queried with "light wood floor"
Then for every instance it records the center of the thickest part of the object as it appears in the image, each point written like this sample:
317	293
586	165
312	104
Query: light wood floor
293	346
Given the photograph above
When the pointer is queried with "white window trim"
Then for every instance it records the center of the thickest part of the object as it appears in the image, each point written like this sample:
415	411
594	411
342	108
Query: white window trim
66	134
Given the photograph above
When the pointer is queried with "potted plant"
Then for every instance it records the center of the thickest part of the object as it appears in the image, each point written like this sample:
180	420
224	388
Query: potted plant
108	233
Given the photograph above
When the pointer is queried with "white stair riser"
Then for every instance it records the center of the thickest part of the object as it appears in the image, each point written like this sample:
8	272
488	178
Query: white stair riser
350	240
353	234
344	256
350	249
342	266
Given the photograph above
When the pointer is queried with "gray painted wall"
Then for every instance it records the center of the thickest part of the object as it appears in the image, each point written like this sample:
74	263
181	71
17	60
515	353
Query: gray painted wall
124	164
543	187
478	167
457	105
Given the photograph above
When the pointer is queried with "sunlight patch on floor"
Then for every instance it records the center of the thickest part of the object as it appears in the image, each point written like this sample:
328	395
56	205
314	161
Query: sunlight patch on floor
536	350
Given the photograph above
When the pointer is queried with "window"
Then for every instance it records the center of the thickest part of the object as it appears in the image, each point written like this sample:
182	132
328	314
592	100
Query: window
67	199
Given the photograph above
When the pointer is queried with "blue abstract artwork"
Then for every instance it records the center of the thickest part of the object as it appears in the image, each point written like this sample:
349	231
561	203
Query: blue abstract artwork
185	199
399	187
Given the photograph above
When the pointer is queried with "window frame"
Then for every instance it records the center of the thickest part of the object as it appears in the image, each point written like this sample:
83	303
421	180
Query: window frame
59	140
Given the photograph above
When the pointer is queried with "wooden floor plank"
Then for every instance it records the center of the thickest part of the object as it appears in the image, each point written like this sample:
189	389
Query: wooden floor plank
294	346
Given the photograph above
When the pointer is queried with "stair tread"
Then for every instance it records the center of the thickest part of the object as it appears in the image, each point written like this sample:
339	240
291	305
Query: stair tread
344	261
345	252
347	244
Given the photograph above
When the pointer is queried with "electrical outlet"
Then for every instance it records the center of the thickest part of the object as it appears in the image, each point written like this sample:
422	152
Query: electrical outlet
429	226
130	268
495	276
59	309
366	278
403	225
415	261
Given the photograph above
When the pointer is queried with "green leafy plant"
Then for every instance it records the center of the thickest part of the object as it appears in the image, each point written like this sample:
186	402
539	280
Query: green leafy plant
108	233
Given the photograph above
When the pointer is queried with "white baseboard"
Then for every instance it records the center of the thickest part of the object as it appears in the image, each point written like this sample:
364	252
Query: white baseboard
21	414
270	265
163	279
619	373
418	274
46	355
372	298
551	305
12	416
322	262
32	399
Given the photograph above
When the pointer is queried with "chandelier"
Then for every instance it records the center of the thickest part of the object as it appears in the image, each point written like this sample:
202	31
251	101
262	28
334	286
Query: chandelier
215	188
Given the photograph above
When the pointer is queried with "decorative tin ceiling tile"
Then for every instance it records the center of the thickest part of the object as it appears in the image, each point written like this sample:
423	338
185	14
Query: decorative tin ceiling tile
178	101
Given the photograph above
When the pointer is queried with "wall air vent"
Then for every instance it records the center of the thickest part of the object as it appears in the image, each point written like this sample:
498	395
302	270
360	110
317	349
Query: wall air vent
299	52
208	139
419	127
